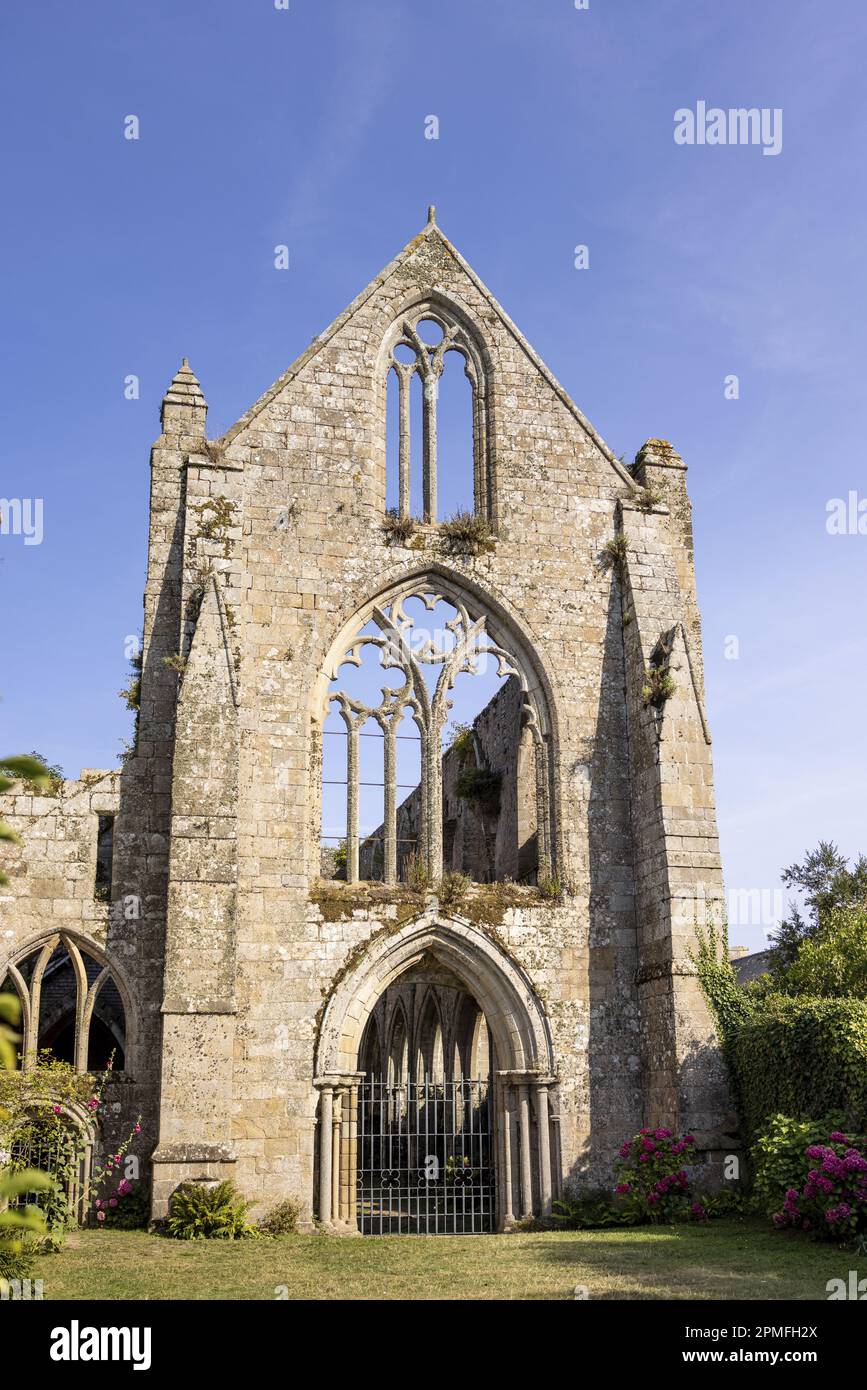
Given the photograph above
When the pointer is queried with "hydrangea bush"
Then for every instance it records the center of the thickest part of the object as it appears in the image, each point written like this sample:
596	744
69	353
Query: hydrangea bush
833	1200
653	1183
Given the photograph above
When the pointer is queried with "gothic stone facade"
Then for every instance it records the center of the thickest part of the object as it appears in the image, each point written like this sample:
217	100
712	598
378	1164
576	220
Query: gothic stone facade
247	984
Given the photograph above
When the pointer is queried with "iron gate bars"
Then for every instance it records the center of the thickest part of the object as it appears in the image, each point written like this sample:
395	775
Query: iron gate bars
425	1163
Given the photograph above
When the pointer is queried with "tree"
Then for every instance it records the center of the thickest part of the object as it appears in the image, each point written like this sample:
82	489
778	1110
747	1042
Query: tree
827	883
833	961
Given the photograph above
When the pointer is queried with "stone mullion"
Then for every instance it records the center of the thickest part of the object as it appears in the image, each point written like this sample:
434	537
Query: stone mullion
543	806
404	378
81	993
480	491
351	800
389	760
429	434
434	800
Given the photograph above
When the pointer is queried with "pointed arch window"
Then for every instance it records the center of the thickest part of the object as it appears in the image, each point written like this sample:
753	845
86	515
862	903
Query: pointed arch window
421	348
410	652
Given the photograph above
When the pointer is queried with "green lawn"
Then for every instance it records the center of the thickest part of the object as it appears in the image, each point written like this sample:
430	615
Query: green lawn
726	1259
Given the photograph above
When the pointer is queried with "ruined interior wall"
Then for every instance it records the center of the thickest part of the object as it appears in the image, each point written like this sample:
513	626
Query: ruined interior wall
52	873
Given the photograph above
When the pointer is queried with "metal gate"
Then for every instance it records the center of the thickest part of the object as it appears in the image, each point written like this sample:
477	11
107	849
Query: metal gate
425	1165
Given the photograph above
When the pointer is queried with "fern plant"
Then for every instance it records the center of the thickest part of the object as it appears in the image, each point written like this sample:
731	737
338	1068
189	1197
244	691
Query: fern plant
199	1212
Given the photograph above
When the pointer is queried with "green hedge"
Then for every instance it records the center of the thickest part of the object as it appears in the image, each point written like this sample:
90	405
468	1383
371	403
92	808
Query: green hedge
801	1057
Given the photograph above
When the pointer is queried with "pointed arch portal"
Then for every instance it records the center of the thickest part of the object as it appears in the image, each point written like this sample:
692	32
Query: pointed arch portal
456	1155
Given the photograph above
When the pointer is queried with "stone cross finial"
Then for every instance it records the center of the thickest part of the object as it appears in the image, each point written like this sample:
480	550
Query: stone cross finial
432	214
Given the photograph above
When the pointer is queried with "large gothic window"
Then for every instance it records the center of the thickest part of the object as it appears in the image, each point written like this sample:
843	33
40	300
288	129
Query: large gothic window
437	446
434	747
71	1006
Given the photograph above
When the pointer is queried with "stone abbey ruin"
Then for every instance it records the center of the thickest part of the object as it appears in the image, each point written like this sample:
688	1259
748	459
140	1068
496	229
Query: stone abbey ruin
422	1001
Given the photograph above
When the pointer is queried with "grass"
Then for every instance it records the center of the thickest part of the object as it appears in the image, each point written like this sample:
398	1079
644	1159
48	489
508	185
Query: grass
724	1260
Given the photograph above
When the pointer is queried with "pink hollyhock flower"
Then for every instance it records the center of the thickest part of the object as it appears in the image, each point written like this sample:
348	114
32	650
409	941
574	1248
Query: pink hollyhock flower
643	1158
623	1187
652	1198
100	1216
662	1134
97	1203
56	1109
838	1137
648	1145
644	1131
93	1103
624	1150
137	1129
112	1201
688	1139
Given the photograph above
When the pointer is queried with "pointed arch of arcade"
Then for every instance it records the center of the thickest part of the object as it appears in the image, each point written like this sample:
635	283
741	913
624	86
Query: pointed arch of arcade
526	1147
83	1008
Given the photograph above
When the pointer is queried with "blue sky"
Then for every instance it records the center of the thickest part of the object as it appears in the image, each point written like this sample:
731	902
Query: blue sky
306	127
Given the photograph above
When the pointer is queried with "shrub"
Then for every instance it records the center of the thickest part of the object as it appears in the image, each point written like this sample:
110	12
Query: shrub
18	1258
127	1208
658	686
466	533
551	887
200	1212
588	1210
833	1199
281	1220
778	1157
453	888
417	875
461	740
615	550
652	1183
801	1057
480	786
398	529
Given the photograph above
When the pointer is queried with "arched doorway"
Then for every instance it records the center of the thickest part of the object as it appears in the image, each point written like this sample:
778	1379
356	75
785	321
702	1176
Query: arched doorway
437	1088
425	1132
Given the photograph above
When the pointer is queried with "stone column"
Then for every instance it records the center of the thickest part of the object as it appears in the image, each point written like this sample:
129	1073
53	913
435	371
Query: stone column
345	1176
326	1139
544	1148
505	1128
526	1161
336	1125
352	1216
